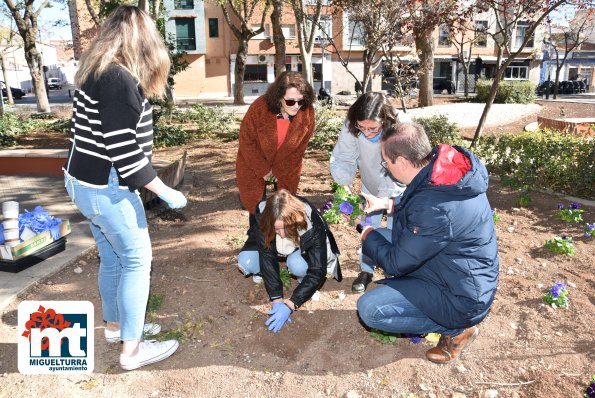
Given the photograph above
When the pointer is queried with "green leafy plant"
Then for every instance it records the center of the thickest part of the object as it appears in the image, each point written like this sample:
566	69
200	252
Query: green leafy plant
168	136
327	126
384	337
561	245
525	199
11	125
495	216
573	213
342	202
285	277
440	130
203	121
557	296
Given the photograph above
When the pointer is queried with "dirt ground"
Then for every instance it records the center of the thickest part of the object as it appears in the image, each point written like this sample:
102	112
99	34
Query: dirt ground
524	349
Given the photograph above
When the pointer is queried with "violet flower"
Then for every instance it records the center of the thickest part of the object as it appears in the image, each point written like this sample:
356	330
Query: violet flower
556	290
560	206
346	208
575	205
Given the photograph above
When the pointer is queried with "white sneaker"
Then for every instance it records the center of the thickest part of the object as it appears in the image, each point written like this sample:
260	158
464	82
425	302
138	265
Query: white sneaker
149	351
257	279
149	328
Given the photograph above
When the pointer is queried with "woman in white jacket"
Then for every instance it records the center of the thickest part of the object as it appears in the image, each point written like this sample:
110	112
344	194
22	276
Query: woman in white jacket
358	147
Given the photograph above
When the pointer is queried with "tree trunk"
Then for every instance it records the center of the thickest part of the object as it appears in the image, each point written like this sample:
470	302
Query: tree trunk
366	79
307	66
466	79
488	106
557	80
10	100
278	37
424	44
241	56
36	67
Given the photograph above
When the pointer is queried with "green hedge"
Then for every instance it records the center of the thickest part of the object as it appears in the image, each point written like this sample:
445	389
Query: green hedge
440	130
509	91
544	159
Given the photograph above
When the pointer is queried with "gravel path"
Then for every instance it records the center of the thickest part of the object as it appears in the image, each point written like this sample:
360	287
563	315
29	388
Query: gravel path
468	114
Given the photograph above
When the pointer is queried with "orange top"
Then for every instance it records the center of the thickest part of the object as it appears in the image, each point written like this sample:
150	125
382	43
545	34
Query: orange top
282	127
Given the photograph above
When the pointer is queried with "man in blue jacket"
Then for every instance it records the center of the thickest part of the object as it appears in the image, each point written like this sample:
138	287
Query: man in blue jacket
442	250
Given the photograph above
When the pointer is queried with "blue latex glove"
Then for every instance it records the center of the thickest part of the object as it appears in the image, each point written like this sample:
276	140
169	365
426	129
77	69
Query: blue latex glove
279	315
174	199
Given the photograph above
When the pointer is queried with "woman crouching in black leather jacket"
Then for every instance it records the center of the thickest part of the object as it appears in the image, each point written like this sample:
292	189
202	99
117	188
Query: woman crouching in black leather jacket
289	226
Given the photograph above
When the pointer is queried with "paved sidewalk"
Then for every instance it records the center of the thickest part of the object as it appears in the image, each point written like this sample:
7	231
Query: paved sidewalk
49	192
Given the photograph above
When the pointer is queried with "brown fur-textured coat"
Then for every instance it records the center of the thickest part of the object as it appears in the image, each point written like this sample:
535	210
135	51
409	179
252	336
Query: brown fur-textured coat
258	154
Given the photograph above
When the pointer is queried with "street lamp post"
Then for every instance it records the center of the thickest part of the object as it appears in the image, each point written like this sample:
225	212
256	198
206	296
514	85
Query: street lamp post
549	65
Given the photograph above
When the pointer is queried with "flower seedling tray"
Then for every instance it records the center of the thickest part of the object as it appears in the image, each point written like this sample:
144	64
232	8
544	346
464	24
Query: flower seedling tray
22	263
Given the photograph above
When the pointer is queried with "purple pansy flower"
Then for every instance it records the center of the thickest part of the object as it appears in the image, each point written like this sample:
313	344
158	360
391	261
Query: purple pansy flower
346	208
556	290
575	205
560	206
328	205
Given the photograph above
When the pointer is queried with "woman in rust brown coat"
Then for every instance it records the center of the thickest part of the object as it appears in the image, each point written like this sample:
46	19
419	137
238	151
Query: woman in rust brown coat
273	138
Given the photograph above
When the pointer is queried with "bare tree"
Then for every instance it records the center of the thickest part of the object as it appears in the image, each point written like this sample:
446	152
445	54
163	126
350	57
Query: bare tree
278	37
307	19
238	15
507	15
25	18
463	37
571	37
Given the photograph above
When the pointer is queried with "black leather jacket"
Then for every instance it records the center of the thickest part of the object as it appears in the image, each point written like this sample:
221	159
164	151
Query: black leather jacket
313	247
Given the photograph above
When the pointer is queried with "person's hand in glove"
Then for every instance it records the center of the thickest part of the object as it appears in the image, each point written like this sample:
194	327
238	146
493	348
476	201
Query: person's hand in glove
174	199
279	315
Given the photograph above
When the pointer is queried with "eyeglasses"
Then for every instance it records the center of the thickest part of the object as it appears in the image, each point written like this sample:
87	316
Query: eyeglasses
372	130
384	164
290	102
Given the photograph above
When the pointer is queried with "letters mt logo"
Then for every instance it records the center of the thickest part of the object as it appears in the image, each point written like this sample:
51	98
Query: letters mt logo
56	337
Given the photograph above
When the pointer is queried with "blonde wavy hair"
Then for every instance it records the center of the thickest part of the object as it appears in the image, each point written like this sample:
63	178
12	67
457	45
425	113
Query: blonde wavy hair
129	38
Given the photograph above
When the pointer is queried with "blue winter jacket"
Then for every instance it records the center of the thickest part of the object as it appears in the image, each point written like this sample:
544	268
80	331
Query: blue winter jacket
444	258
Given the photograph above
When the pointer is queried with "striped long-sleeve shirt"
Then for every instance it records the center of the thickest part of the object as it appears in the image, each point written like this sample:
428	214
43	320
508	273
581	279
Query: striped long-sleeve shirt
112	125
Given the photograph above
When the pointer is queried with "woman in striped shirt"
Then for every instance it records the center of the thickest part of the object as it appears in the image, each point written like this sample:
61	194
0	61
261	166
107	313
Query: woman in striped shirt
109	160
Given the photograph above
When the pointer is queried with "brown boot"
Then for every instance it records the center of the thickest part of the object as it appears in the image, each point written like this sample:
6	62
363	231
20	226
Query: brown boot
450	347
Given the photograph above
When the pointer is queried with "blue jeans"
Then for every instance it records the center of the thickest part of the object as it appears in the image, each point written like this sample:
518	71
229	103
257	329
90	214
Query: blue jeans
119	225
249	263
385	308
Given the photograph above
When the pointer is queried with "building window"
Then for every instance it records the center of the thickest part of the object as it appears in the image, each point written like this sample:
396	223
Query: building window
317	72
255	73
213	27
444	36
516	73
356	34
288	31
262	35
184	4
521	32
481	35
185	34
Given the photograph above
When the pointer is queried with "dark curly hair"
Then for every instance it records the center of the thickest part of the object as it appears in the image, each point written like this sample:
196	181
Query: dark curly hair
371	106
286	80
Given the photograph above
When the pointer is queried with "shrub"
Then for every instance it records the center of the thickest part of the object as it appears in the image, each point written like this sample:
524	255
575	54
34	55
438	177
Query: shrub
12	125
207	122
440	130
543	159
327	127
168	135
509	91
62	125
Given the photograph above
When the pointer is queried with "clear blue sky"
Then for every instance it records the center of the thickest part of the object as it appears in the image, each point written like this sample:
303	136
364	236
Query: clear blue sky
48	19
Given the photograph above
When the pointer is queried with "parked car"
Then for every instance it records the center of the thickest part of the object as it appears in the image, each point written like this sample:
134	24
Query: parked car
17	93
54	83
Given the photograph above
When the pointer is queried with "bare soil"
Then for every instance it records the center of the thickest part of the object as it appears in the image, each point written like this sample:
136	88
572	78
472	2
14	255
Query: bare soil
525	348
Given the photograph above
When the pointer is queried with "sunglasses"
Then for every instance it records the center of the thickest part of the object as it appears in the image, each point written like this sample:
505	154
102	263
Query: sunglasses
290	102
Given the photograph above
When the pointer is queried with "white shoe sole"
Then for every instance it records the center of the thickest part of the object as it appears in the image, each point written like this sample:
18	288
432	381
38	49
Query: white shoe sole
148	361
